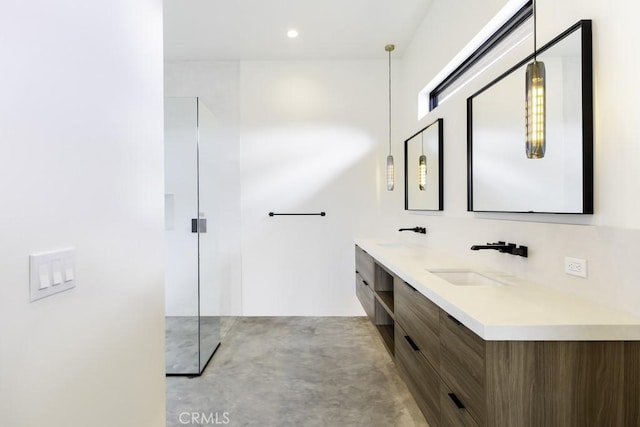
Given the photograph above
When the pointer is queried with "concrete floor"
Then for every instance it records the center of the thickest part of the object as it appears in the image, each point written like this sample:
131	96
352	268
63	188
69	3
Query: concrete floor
189	342
295	371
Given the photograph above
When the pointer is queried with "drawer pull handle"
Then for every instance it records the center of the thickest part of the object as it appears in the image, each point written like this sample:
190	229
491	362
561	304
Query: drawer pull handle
357	272
411	343
454	320
457	401
411	287
365	283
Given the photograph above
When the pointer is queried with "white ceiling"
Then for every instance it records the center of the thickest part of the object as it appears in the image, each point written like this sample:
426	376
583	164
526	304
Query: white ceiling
256	29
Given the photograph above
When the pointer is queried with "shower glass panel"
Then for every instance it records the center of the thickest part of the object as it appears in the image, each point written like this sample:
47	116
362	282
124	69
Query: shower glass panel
192	295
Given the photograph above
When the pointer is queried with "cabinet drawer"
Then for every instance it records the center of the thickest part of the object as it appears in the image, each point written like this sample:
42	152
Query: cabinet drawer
462	365
365	295
420	319
453	413
365	266
420	377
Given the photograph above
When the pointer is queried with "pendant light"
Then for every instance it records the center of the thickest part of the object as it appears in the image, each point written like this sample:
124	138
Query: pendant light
535	103
390	168
422	167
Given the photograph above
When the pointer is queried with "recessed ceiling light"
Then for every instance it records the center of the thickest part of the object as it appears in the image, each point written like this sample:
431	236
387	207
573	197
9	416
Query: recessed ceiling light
292	34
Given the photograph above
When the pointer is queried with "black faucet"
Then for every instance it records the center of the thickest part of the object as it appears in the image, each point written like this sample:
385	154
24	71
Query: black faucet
506	248
420	230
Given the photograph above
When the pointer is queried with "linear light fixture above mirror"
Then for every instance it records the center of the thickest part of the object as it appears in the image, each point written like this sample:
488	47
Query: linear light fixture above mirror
507	29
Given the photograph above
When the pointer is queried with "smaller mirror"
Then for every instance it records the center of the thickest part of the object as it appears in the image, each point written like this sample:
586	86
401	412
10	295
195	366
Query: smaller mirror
423	169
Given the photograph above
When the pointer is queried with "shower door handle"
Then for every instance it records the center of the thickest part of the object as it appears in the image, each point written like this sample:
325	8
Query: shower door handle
200	224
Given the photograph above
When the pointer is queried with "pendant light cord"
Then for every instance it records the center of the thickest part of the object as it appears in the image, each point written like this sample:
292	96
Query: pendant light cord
535	42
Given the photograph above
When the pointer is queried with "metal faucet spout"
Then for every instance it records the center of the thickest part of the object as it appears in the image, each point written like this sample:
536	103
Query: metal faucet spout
420	230
490	246
506	248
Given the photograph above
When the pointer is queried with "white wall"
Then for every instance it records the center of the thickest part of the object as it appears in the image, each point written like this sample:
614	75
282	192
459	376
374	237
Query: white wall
607	238
302	136
310	132
81	165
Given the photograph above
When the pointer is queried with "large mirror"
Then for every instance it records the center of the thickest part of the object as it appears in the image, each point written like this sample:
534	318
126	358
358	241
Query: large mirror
423	169
500	176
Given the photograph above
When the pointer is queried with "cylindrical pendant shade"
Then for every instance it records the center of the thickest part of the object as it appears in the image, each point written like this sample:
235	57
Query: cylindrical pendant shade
536	110
422	173
390	173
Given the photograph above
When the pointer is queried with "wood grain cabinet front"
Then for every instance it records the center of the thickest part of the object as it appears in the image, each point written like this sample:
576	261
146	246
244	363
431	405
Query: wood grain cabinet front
365	266
462	364
420	319
421	378
365	295
453	412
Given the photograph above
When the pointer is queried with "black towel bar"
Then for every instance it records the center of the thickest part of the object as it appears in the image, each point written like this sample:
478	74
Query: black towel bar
304	214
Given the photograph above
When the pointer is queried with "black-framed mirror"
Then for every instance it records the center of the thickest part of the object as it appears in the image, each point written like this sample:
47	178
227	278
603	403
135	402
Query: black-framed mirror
423	169
500	176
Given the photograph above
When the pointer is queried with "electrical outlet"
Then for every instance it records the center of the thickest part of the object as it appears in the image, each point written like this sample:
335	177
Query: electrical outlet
575	266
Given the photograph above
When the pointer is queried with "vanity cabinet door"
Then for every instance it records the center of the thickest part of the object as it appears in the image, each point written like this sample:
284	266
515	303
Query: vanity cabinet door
420	318
365	266
462	365
453	413
365	295
421	378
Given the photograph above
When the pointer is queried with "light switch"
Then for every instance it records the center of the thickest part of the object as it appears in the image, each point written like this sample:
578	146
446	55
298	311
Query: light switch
51	272
43	274
68	274
56	272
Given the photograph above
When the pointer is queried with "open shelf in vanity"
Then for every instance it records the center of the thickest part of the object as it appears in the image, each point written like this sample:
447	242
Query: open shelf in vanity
374	288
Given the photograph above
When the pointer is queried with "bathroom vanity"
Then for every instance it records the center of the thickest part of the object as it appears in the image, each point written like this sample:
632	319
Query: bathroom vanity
480	348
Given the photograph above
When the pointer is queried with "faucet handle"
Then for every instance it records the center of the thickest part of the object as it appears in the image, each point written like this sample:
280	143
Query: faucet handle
523	251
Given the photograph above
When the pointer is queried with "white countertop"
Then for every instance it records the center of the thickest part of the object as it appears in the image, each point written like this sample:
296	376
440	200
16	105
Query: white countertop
520	311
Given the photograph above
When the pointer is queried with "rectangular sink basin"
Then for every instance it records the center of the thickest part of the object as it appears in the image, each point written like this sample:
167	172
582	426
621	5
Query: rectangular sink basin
464	277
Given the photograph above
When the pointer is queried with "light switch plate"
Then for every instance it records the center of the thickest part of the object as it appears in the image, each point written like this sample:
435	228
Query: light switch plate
46	272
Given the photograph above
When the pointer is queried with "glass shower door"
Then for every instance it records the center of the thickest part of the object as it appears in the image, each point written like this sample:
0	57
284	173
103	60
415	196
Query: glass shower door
208	241
192	320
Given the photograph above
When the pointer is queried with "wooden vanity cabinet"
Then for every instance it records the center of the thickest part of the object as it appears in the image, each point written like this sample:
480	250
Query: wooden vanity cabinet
374	289
365	295
452	410
364	282
365	266
421	378
459	379
420	318
462	365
